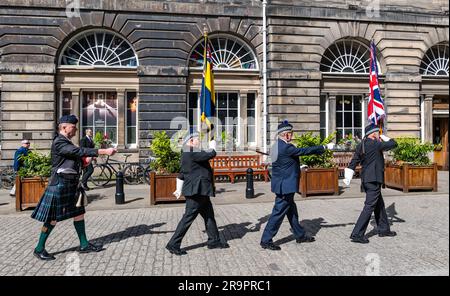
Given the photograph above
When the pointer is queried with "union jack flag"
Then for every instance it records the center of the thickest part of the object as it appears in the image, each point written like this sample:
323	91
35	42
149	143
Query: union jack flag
375	109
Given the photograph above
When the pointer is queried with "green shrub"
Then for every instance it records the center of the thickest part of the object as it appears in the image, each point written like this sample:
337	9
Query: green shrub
324	160
167	154
411	150
35	164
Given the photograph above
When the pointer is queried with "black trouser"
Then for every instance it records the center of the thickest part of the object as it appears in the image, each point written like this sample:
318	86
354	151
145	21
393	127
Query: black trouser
374	203
195	205
87	172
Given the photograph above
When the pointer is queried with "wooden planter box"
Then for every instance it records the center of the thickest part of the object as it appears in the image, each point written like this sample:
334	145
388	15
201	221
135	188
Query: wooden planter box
162	188
408	177
29	191
319	181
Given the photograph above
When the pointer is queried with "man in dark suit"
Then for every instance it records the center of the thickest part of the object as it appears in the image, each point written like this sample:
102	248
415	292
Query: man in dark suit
87	142
284	183
197	188
369	153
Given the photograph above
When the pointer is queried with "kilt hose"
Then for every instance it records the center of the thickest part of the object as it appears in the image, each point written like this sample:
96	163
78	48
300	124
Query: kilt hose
58	202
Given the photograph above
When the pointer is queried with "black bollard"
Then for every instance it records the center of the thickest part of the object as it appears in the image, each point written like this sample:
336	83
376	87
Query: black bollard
249	191
120	195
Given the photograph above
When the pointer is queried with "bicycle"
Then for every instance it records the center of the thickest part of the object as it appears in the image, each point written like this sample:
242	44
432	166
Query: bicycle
148	169
7	177
133	173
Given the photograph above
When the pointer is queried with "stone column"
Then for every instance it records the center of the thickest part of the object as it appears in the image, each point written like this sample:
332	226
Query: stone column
76	110
428	118
331	114
121	113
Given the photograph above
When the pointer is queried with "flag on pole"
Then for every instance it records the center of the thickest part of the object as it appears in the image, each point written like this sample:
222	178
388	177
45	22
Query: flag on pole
375	109
207	95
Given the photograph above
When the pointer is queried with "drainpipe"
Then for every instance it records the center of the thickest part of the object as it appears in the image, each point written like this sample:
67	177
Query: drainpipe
264	31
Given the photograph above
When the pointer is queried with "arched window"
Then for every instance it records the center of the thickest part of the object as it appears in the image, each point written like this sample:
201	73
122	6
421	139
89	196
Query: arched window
98	48
347	56
435	61
228	53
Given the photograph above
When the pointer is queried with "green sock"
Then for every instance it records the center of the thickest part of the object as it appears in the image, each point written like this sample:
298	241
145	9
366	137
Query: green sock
81	231
45	232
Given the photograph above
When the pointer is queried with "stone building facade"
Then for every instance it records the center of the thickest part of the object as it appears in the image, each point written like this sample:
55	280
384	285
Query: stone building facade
129	68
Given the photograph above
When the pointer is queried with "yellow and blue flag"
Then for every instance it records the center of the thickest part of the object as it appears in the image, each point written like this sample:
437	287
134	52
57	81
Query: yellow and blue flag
207	95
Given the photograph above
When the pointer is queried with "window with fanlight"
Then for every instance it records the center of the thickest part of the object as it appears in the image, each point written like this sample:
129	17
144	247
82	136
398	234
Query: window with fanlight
435	61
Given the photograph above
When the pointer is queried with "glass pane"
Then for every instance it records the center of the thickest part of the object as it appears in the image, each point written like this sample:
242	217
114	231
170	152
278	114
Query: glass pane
191	117
67	100
338	135
348	132
322	119
251	120
100	100
221	115
357	119
111	99
99	117
131	135
322	102
251	113
348	120
88	99
251	133
100	130
111	117
131	108
251	101
358	134
348	102
233	100
232	114
112	133
338	119
357	100
222	100
322	133
193	100
339	101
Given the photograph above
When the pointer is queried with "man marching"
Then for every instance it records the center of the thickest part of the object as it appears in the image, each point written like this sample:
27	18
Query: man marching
284	183
197	188
369	153
59	202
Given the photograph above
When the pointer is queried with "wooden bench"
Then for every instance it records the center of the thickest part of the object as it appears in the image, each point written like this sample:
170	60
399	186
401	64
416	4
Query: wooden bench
342	160
236	165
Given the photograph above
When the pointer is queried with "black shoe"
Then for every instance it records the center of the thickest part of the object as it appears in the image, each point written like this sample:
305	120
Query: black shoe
43	255
389	233
359	239
176	251
90	248
270	246
305	239
219	245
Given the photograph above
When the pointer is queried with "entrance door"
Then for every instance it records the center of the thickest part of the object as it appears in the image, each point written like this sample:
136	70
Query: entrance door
440	136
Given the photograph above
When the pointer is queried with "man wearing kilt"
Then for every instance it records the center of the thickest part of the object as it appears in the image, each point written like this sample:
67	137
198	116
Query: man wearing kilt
59	202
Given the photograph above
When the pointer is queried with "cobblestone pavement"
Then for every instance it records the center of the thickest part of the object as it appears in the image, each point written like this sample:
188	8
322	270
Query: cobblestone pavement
135	238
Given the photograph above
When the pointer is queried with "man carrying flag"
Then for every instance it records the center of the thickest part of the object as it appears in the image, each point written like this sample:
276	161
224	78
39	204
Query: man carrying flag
369	153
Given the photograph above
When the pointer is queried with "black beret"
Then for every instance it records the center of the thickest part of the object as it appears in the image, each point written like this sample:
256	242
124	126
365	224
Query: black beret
69	119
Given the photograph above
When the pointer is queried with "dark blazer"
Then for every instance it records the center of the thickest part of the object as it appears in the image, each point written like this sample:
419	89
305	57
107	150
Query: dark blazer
286	166
197	173
65	154
86	143
372	161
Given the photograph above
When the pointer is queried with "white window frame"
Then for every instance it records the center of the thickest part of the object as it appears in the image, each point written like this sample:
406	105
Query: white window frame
127	145
343	128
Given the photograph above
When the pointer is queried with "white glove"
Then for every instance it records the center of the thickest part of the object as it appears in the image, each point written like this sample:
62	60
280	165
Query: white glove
177	192
329	146
212	144
348	176
384	138
303	166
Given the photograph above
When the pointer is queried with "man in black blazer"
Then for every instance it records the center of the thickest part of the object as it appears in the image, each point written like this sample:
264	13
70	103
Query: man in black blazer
369	153
87	142
197	188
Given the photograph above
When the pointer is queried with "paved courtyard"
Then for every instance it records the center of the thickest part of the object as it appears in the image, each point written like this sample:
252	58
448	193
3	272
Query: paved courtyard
134	241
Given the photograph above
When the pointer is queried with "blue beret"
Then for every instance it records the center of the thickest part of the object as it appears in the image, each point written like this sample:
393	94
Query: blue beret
284	126
69	119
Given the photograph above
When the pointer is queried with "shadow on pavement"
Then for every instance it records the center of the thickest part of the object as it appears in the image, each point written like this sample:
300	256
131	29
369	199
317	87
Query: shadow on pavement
392	217
133	231
134	199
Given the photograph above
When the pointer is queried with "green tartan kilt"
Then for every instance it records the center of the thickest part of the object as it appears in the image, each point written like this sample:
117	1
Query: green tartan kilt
58	202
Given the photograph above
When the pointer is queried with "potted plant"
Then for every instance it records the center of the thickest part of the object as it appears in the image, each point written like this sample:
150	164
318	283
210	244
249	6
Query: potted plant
32	179
165	168
411	167
321	174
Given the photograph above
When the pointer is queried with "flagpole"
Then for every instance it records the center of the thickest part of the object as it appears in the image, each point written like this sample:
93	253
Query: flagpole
203	96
